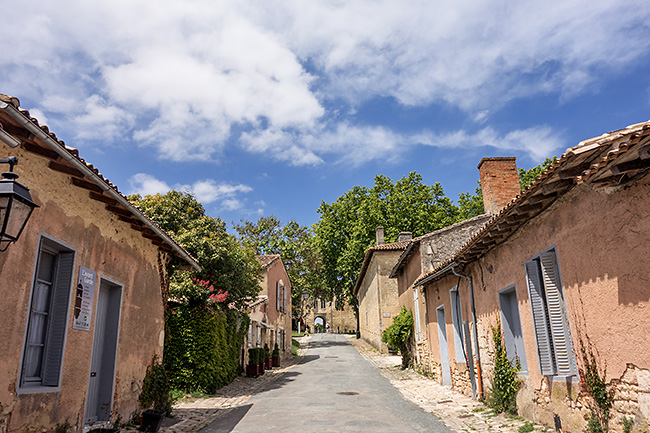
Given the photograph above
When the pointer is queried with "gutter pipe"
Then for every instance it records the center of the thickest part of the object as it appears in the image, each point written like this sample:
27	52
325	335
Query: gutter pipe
38	132
477	355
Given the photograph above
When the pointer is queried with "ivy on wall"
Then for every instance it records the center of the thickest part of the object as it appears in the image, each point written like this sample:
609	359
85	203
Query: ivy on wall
202	346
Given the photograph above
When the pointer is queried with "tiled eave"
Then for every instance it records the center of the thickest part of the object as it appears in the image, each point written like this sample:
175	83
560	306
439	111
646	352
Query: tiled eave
36	138
614	158
268	260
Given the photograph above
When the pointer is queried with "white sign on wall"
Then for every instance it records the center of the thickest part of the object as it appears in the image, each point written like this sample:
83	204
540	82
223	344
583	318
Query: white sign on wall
83	302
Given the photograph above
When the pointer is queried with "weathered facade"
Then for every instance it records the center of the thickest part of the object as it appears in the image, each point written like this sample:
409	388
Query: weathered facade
376	292
563	266
84	290
422	255
271	313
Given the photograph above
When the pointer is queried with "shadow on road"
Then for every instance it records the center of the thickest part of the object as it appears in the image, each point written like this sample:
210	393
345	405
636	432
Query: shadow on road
315	344
229	421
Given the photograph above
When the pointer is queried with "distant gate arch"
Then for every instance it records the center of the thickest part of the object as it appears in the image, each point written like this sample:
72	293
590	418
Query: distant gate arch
320	323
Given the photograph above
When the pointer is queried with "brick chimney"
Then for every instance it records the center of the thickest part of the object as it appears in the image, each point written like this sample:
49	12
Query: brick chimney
404	236
379	235
499	182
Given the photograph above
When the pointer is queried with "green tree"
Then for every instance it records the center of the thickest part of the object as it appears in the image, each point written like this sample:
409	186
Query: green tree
346	227
226	265
297	246
526	177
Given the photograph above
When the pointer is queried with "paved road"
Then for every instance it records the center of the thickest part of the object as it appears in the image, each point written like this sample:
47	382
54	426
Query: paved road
334	389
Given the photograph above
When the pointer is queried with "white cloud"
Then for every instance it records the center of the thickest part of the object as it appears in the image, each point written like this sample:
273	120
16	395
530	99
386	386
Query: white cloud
205	191
187	77
538	142
145	184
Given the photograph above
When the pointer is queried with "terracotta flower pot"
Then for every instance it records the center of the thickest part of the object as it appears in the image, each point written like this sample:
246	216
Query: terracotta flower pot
275	361
260	368
251	370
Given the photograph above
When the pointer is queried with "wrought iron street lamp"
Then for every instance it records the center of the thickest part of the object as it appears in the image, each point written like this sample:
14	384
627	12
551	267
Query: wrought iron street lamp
16	205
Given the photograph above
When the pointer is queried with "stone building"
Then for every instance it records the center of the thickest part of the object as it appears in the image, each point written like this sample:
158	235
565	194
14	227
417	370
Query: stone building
83	289
376	292
334	316
271	313
562	266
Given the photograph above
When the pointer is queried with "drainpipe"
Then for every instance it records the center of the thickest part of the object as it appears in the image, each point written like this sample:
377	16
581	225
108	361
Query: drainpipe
477	355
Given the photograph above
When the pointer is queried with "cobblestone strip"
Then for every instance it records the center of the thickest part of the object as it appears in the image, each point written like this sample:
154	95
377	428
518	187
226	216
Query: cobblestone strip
457	411
197	413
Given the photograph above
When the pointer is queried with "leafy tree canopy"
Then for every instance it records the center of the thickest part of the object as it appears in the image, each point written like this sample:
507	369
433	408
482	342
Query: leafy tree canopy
346	227
227	266
296	245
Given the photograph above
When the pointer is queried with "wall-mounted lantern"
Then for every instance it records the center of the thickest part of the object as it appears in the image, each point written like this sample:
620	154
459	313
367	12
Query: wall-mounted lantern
16	205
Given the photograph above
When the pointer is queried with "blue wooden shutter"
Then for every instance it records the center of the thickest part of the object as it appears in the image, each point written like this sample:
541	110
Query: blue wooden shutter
58	320
558	320
540	322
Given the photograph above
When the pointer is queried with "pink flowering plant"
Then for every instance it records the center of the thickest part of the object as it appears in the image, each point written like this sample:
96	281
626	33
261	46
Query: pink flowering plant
197	290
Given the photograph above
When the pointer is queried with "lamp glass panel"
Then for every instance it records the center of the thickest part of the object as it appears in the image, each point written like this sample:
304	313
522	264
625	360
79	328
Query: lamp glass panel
4	203
17	218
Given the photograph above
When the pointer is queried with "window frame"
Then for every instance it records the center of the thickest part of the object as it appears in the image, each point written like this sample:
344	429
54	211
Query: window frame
54	245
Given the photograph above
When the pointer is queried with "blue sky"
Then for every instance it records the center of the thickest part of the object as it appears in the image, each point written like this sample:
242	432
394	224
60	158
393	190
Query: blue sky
268	108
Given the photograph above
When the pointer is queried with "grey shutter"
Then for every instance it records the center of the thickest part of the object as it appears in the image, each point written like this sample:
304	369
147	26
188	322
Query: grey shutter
58	320
277	296
540	323
284	305
559	323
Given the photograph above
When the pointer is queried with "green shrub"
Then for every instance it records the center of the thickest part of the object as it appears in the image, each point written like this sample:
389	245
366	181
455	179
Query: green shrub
156	392
202	347
398	335
267	352
276	351
505	383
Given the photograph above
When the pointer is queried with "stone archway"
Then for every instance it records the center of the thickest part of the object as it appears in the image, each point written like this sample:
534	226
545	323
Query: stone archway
320	324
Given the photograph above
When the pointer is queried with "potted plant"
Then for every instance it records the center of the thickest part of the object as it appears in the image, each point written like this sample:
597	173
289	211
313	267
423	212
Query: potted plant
251	368
267	357
275	357
260	360
155	397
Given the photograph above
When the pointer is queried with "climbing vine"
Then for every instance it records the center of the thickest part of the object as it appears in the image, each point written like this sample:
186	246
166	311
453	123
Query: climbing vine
505	384
593	384
202	346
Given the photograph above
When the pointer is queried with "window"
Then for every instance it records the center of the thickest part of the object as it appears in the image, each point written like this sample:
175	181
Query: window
457	321
550	320
48	314
316	304
322	303
511	325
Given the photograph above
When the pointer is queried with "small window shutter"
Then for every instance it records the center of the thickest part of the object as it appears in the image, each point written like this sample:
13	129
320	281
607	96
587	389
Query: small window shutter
540	323
277	296
559	323
58	320
284	305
